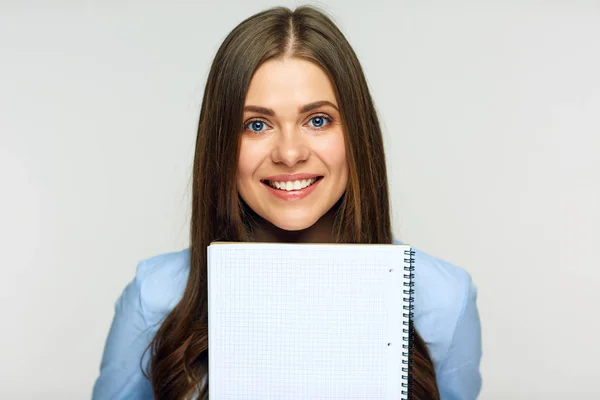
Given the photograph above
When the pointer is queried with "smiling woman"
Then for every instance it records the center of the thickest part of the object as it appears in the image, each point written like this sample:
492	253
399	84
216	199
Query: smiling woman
292	165
289	149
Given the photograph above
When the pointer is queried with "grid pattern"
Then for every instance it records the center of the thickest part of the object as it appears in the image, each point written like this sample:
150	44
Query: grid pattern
305	322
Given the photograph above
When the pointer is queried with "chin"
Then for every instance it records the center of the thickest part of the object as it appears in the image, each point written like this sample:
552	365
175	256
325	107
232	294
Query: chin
293	223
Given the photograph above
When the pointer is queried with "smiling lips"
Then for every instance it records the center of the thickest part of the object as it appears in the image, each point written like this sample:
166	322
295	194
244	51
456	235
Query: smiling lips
292	187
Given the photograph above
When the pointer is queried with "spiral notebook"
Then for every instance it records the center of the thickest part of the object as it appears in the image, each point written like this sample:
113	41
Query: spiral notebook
309	321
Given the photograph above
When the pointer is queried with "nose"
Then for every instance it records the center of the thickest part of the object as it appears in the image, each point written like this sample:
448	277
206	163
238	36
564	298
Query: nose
290	147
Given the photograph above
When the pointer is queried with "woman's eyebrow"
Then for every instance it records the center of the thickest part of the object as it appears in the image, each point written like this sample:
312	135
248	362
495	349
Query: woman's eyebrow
304	109
311	106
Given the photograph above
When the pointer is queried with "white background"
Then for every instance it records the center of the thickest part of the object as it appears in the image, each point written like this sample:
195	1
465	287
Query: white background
491	115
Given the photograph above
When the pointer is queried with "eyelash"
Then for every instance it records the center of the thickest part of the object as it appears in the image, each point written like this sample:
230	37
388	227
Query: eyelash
327	118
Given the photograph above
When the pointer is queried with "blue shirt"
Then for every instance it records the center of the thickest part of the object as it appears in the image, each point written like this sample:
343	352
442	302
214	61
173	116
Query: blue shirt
445	315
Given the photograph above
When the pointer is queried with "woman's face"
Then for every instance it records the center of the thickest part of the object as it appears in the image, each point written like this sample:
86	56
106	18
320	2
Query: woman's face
292	167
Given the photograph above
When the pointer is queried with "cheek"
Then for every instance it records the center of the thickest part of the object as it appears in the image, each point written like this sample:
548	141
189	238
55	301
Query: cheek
244	166
333	152
249	160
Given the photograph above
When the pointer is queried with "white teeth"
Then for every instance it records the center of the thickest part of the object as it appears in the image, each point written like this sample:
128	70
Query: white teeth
292	185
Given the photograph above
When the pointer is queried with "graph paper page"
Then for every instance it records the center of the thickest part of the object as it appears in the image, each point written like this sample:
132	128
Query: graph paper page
306	321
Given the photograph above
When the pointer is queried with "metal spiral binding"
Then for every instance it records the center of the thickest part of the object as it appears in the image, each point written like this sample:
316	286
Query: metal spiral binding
408	329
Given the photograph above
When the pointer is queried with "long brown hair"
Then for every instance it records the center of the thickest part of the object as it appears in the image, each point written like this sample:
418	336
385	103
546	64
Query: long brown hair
179	361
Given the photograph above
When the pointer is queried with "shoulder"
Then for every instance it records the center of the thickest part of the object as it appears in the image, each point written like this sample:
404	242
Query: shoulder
161	280
443	292
444	295
447	319
157	287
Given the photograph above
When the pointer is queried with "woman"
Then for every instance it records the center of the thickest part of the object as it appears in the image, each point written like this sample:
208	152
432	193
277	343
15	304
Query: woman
289	149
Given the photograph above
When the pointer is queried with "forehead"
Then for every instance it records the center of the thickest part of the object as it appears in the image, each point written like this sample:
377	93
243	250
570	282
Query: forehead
290	80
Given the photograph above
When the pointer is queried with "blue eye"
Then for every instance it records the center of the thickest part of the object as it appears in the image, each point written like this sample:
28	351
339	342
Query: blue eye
320	121
255	126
